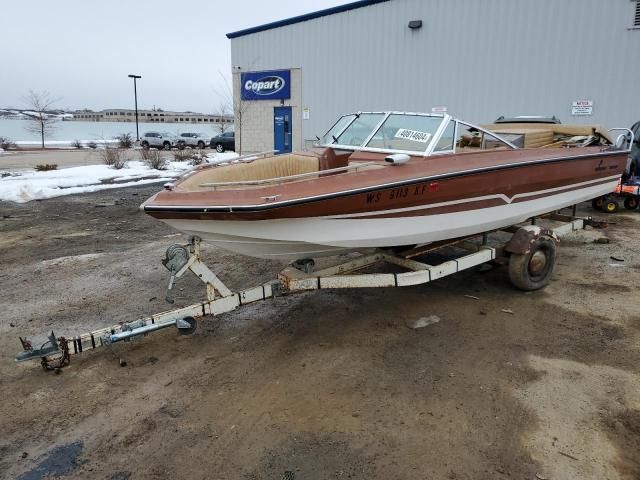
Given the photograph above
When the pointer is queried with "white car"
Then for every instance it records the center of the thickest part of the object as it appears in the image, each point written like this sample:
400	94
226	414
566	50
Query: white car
163	140
193	140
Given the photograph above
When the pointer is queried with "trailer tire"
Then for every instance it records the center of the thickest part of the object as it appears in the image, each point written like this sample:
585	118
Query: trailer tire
631	203
532	270
597	203
610	206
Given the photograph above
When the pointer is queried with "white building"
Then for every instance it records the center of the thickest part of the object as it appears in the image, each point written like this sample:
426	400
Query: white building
126	115
576	59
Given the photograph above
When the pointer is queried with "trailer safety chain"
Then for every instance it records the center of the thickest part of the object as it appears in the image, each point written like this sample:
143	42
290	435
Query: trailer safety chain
56	363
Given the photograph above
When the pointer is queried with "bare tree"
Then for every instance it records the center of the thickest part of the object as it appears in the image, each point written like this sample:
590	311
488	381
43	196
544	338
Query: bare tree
239	107
224	110
41	121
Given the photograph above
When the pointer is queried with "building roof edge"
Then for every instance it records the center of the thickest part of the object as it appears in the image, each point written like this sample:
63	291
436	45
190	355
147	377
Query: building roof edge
303	18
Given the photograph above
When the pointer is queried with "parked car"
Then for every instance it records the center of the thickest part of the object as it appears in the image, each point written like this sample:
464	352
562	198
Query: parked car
193	140
164	140
224	141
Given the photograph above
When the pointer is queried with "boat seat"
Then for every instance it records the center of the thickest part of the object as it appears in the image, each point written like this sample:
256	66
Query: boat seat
260	169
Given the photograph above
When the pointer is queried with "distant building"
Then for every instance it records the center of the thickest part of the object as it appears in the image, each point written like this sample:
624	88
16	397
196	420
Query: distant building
122	115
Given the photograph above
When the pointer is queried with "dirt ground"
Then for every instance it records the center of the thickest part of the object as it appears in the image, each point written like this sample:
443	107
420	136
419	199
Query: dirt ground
324	385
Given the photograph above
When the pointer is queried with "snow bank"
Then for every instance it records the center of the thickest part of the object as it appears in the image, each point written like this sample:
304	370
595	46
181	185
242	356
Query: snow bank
32	185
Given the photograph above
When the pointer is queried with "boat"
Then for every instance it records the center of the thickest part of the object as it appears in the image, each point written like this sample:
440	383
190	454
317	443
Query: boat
390	179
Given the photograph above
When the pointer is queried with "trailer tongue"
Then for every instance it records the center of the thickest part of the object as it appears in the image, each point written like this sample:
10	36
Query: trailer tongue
529	250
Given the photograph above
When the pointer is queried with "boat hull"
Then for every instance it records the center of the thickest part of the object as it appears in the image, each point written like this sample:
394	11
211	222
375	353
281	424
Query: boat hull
308	237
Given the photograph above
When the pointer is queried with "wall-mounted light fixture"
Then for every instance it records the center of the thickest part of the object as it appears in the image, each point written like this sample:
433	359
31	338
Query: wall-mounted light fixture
415	24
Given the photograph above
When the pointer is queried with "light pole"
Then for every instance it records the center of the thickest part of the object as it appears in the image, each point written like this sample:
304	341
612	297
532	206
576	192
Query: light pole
135	96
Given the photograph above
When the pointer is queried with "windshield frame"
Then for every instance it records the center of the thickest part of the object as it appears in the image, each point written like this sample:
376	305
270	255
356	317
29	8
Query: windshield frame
430	147
374	130
339	132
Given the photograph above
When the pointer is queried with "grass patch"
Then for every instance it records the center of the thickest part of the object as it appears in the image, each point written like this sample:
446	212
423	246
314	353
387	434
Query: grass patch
153	159
114	158
45	167
125	140
7	144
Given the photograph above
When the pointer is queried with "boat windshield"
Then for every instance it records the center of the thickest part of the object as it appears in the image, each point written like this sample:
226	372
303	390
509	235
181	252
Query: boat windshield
411	133
330	136
384	131
360	129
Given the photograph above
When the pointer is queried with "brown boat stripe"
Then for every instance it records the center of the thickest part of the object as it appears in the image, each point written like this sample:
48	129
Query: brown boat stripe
470	205
292	212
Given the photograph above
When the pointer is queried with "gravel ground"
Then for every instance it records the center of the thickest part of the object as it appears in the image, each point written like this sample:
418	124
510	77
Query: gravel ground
324	385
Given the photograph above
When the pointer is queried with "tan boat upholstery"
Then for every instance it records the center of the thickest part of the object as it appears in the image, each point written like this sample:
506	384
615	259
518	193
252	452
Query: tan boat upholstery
547	135
261	169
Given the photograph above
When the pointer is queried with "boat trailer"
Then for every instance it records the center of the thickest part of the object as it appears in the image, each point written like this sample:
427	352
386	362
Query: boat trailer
56	352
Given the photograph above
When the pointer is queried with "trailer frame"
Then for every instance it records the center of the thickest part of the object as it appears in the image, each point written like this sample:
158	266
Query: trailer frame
301	277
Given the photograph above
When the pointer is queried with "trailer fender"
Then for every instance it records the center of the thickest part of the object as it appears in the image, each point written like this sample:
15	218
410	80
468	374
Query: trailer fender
521	241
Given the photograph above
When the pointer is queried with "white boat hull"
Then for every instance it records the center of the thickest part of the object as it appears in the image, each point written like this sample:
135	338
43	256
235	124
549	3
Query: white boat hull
297	238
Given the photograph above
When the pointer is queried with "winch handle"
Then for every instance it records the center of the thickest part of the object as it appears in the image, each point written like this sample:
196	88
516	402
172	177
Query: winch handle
172	279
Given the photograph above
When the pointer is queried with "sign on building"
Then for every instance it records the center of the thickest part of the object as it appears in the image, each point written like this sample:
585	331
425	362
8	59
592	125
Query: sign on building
267	85
582	107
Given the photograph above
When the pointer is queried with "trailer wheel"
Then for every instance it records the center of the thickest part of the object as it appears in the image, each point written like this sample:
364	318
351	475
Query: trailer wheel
597	203
533	270
631	203
610	206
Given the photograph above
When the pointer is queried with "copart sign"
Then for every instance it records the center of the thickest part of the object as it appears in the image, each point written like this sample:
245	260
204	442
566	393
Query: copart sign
269	85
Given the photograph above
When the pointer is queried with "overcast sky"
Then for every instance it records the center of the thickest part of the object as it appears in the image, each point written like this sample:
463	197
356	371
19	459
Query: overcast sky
82	50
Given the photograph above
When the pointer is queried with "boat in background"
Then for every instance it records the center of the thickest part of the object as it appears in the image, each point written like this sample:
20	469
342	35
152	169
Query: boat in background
388	179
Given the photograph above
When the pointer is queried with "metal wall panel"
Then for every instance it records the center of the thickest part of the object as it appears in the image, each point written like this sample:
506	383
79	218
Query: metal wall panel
481	59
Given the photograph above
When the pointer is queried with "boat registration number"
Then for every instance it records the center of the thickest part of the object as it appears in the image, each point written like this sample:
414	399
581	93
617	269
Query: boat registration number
415	135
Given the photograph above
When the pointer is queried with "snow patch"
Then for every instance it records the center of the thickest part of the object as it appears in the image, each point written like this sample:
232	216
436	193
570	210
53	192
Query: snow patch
72	258
32	185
